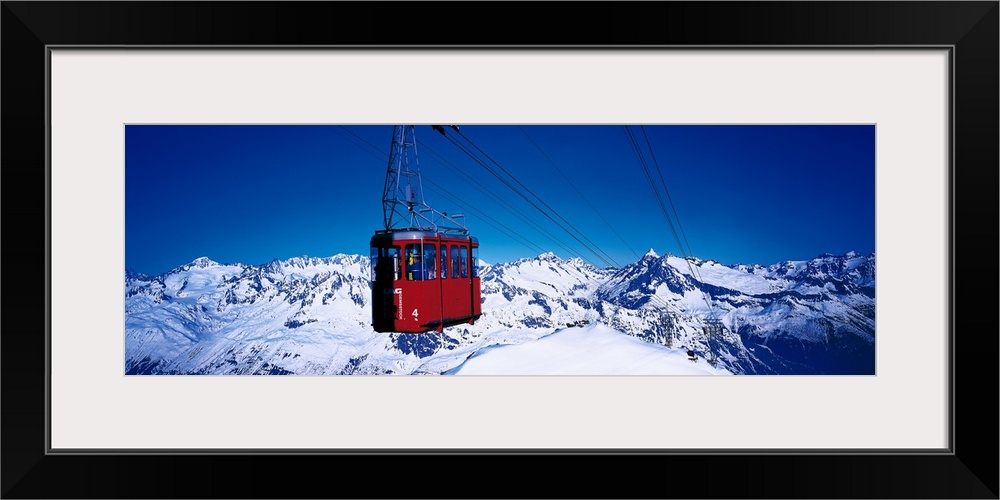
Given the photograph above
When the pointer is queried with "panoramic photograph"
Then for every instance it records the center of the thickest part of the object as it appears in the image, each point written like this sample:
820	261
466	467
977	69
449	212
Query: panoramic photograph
499	250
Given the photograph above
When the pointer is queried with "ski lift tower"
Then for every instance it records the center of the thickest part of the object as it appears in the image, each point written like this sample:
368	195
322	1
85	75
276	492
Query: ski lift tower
713	330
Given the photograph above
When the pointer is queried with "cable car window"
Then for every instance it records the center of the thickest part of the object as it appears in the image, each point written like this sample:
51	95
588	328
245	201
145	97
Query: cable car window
394	255
430	261
475	262
414	262
444	261
397	270
463	264
375	262
454	261
385	263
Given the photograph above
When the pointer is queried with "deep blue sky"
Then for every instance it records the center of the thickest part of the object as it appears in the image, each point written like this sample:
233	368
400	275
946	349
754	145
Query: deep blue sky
743	194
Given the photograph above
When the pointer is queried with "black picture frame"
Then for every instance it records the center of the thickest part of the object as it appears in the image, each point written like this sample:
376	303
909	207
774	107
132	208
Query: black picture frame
970	29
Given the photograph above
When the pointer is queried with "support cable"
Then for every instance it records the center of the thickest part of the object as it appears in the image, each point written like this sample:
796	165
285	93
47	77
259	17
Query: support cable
608	261
514	210
663	209
382	155
582	197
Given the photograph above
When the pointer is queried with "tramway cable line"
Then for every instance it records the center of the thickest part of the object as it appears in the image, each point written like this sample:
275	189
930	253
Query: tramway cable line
712	326
608	261
371	149
489	220
513	210
663	209
663	183
582	196
381	155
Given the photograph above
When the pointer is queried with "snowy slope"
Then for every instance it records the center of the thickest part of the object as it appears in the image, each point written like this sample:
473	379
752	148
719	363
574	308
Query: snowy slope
590	350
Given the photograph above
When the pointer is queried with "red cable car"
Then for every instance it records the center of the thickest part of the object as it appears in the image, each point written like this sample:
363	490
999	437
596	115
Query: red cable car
423	281
424	268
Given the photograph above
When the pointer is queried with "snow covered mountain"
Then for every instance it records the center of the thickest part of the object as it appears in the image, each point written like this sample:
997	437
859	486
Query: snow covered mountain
312	316
815	316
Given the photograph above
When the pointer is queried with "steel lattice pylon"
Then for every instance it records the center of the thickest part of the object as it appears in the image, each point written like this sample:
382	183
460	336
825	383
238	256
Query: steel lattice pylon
714	330
403	205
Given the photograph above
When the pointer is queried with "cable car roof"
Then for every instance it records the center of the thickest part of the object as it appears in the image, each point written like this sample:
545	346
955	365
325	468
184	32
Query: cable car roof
385	236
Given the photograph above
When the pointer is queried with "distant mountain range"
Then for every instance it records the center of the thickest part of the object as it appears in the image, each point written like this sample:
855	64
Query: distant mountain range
312	315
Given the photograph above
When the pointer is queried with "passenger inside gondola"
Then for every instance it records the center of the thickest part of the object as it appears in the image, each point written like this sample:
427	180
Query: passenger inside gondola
430	260
421	266
414	264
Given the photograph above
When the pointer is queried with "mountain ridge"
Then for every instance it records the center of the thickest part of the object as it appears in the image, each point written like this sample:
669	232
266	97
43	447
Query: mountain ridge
311	315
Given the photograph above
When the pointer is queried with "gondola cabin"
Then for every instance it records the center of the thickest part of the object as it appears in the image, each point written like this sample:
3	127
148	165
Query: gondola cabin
423	281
